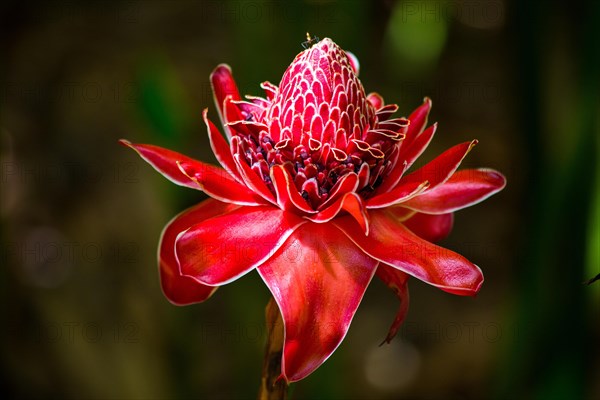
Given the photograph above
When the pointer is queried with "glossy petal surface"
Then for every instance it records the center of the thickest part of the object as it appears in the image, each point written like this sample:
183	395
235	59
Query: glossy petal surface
463	189
186	171
223	248
180	289
432	228
318	278
392	243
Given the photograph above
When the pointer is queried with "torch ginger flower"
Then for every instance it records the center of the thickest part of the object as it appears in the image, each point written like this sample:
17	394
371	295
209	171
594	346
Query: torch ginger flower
315	194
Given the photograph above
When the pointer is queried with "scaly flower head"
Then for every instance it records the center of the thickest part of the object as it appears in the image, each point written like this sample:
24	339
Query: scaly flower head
315	194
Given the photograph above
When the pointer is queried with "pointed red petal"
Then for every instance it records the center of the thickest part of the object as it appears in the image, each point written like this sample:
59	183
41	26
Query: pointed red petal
441	168
411	152
186	171
432	228
418	121
318	278
392	243
465	188
180	289
391	181
220	147
399	194
398	282
221	249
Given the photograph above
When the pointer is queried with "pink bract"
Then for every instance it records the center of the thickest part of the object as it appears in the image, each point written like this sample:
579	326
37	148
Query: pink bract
314	192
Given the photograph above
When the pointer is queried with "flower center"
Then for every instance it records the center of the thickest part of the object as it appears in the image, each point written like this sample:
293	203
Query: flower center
321	127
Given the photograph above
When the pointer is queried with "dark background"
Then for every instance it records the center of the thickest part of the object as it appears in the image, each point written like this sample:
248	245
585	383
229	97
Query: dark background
82	311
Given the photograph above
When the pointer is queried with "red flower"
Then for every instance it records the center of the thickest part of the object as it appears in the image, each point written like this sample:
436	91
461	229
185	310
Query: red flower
314	194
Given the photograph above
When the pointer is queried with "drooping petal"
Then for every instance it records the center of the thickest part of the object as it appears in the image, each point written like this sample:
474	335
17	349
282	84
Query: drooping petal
185	171
392	243
463	189
318	278
398	282
432	228
221	249
178	288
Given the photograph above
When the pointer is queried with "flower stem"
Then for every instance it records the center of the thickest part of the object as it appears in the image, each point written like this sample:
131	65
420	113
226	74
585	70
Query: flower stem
271	387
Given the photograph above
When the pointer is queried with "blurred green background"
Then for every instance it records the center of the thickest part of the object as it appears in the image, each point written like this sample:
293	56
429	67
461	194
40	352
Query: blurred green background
82	311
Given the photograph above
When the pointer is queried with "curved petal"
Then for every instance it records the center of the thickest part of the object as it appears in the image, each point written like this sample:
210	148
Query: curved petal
223	85
418	121
288	197
441	168
392	243
318	278
411	152
220	148
186	171
178	288
398	282
399	194
347	184
463	189
253	181
432	228
351	203
221	249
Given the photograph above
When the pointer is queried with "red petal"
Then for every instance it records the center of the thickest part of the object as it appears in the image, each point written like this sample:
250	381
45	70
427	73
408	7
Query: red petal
223	85
442	167
392	243
391	181
288	197
465	188
432	228
411	152
351	203
221	249
186	171
220	147
418	121
347	184
318	278
254	182
181	289
401	193
376	100
398	282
